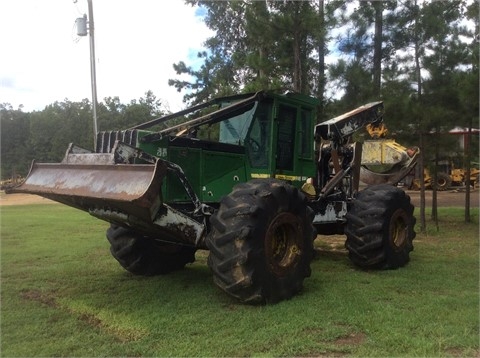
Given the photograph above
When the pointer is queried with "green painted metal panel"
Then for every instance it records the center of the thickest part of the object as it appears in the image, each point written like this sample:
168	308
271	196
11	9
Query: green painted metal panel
282	127
221	171
189	160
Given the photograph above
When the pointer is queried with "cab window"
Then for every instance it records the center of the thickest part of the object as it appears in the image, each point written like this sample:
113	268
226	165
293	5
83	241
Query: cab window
257	141
286	137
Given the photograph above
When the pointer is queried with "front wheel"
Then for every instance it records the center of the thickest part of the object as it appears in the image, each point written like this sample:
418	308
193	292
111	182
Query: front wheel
380	228
142	255
261	243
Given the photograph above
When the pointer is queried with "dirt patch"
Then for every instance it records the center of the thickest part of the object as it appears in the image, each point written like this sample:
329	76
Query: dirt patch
458	352
449	198
91	320
22	199
331	243
47	299
351	339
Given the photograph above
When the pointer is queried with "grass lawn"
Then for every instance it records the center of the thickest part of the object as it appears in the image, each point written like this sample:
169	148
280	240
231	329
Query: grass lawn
62	294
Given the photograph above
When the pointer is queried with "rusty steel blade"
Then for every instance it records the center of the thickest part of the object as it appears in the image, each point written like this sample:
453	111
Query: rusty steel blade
134	189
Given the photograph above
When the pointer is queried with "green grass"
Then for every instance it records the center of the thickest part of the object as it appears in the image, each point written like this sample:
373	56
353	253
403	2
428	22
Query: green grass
64	295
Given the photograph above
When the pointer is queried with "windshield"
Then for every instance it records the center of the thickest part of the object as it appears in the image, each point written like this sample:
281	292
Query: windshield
234	130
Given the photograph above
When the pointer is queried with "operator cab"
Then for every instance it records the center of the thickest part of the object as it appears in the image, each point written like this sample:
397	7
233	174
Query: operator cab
277	133
273	131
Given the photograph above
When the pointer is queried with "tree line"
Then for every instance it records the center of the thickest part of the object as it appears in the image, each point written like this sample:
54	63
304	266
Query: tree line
44	135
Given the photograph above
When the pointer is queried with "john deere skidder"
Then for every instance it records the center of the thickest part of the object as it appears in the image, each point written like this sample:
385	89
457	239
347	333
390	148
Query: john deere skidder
251	178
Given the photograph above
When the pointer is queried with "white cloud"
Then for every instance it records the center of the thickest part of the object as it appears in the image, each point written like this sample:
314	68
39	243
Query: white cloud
136	43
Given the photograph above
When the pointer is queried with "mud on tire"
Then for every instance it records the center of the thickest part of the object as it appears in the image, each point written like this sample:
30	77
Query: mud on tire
261	243
380	228
145	256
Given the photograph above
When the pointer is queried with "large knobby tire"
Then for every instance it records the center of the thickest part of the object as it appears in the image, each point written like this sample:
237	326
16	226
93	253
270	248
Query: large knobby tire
380	228
444	181
261	242
145	256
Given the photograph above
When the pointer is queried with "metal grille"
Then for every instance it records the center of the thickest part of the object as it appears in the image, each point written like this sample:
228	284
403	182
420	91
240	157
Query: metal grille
106	139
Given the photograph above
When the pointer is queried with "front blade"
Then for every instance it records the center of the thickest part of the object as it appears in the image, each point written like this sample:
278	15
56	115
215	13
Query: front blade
134	189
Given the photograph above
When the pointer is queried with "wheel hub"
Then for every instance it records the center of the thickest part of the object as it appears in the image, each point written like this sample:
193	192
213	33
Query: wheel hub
283	243
398	229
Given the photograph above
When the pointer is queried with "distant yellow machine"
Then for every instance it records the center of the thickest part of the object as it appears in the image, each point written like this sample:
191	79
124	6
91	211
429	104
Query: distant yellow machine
448	178
11	182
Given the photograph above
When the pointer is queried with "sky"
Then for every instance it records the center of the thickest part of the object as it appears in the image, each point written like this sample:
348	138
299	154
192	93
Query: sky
43	60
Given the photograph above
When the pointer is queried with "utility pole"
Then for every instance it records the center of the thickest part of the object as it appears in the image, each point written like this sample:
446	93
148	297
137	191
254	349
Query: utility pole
81	31
93	74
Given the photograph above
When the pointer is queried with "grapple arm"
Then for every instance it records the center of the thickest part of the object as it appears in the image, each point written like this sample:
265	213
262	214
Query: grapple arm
383	160
339	128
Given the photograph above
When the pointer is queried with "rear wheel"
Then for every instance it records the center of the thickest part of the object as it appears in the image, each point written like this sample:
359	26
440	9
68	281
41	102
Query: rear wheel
380	228
261	243
146	256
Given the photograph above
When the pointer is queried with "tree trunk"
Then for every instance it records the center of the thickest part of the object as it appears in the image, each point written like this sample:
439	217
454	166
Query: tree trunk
261	9
296	50
418	74
418	78
377	55
467	170
423	225
321	60
297	62
434	187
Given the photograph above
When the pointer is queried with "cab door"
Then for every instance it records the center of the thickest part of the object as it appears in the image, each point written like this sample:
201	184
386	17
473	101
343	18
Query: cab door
286	140
294	144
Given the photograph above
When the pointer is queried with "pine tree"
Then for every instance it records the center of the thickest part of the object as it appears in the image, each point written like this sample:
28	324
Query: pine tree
257	45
